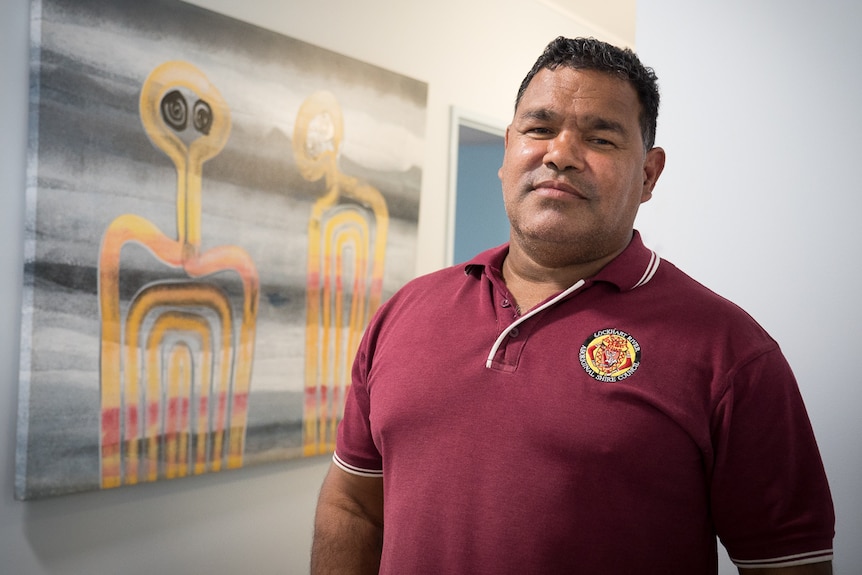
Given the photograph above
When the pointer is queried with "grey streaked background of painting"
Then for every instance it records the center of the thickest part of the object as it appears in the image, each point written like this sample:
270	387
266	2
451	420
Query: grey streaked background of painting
91	161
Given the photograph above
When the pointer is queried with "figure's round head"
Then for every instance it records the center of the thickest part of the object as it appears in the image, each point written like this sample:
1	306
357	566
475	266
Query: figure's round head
317	135
184	114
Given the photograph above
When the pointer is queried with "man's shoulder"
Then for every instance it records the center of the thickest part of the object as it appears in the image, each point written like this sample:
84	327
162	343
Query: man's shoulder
688	298
674	280
434	290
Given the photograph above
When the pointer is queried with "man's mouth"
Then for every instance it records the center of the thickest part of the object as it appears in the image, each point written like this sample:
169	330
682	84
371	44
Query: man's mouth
558	187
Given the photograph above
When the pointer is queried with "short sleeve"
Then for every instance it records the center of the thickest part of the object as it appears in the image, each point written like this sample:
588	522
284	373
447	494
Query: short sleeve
770	497
355	451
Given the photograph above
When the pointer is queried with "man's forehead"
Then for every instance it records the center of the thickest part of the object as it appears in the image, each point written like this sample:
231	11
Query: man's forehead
578	81
551	91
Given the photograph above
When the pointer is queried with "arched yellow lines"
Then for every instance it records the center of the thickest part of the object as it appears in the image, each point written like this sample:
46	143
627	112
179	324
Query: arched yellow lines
345	281
351	216
214	333
170	381
179	372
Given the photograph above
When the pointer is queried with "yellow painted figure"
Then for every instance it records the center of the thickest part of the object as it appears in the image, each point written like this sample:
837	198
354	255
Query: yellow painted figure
175	363
346	251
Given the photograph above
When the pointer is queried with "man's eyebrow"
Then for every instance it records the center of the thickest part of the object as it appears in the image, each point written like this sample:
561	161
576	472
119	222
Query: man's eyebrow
604	125
540	114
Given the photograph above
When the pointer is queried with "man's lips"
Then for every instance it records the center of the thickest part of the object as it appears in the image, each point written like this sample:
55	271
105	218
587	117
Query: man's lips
559	186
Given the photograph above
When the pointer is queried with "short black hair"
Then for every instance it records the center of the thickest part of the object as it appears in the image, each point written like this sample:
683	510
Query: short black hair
592	54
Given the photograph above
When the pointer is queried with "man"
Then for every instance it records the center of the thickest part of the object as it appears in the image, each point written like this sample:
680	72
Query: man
569	402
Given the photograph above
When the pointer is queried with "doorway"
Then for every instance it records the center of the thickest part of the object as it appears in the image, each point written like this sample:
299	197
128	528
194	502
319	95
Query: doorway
477	219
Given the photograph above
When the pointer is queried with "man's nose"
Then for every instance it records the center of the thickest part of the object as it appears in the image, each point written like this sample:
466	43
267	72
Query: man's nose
565	152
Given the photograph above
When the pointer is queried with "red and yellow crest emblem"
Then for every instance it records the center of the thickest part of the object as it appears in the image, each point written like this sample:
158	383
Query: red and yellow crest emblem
610	355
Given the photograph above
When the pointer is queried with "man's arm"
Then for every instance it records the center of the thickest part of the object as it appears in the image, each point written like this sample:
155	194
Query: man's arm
822	568
348	524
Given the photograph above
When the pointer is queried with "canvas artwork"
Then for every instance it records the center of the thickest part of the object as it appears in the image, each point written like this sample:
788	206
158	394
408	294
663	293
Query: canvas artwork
214	211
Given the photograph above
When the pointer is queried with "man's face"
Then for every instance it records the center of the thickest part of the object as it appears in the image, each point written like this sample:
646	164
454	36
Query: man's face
575	170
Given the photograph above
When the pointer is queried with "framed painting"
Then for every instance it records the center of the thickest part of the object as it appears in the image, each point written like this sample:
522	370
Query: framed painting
214	211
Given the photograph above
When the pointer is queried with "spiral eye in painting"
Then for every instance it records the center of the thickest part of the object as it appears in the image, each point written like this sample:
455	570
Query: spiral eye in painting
175	110
202	117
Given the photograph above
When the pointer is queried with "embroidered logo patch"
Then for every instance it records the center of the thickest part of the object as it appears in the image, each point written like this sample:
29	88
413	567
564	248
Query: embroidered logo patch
610	355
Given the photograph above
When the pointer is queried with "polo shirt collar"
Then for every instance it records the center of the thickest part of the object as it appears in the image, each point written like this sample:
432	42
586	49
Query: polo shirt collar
635	266
492	259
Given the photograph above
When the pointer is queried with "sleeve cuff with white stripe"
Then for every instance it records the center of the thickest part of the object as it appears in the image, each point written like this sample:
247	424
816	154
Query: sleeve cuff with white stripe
788	561
354	470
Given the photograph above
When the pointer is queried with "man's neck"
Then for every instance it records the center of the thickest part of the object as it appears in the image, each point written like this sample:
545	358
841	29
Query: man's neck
531	281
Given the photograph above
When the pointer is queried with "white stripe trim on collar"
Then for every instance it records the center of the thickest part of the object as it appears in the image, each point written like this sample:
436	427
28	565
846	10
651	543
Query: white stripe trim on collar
651	268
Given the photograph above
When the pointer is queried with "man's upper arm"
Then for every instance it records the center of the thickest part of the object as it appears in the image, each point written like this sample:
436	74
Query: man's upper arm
356	494
348	524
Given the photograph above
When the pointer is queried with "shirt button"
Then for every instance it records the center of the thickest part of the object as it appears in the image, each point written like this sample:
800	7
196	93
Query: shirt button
506	303
514	332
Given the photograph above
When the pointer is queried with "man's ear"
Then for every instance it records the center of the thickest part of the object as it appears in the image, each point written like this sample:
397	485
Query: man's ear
653	167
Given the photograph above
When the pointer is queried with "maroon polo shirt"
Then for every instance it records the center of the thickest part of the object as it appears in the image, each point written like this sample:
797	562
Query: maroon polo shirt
616	428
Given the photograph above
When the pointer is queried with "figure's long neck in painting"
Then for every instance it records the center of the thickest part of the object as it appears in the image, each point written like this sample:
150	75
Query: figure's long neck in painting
189	203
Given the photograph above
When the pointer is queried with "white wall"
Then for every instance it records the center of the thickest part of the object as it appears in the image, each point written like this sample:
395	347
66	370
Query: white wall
473	56
761	198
